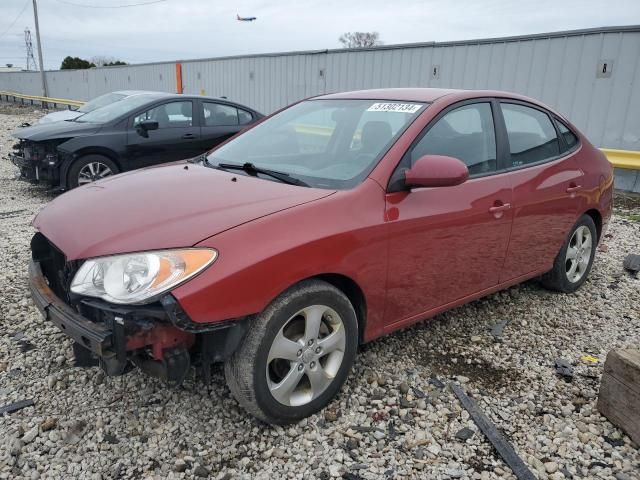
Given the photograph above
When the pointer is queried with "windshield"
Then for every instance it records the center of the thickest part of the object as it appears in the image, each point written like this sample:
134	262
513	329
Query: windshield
114	110
324	143
101	101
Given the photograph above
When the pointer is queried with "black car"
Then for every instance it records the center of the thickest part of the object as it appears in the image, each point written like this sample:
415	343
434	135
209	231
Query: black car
136	132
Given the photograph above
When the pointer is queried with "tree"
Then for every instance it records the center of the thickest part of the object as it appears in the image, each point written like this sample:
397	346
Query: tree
103	61
360	39
75	63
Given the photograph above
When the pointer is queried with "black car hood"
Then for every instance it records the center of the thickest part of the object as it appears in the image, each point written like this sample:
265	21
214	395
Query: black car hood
53	130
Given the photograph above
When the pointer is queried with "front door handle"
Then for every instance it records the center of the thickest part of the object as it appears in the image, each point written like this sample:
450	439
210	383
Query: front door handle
500	208
573	188
188	136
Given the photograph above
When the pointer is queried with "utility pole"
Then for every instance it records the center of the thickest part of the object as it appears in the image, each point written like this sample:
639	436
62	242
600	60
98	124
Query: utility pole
42	76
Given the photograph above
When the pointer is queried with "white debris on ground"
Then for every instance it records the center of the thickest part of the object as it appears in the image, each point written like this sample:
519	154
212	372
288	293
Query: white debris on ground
390	421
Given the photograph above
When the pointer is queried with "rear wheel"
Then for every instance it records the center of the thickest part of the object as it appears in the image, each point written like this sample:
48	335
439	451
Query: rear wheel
296	355
573	263
90	168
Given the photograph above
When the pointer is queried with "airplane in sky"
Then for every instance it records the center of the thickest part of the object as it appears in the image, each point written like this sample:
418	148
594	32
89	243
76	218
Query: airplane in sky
245	19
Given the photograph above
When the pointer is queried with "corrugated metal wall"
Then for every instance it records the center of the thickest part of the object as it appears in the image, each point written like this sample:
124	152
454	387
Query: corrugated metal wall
563	69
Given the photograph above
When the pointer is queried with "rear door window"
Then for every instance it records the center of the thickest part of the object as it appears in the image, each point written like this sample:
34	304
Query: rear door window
219	115
532	136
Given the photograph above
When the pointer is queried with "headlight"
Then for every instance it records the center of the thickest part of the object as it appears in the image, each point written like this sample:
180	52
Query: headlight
138	277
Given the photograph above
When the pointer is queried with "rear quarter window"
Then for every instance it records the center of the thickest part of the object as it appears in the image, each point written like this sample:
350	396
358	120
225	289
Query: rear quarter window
570	138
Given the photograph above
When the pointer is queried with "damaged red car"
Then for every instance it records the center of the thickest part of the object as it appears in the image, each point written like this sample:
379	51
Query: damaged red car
332	222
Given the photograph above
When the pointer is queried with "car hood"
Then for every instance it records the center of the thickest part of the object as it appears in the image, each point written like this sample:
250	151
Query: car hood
58	116
53	130
172	206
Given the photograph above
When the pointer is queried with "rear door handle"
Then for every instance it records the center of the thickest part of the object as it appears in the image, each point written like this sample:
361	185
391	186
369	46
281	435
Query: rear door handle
500	208
573	188
188	136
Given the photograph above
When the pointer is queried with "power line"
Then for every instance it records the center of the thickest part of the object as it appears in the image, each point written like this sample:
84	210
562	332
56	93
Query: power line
15	19
112	6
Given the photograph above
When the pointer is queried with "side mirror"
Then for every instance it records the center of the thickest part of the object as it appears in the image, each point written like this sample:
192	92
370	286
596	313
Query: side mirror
436	171
143	127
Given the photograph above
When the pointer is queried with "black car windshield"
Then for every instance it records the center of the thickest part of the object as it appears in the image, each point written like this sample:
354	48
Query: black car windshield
101	101
324	143
115	110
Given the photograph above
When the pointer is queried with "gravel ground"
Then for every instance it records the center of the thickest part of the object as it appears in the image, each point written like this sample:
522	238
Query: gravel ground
392	419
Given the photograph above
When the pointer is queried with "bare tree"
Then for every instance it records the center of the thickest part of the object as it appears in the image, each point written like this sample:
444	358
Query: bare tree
360	39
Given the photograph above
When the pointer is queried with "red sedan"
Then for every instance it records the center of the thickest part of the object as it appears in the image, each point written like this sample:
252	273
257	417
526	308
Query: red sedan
339	219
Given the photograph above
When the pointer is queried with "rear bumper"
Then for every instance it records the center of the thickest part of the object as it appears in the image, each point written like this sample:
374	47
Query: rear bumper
93	336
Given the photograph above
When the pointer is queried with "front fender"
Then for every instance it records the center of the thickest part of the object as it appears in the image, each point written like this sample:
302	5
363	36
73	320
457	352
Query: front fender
341	234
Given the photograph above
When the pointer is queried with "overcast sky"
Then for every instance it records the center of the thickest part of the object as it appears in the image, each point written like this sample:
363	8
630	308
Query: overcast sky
183	29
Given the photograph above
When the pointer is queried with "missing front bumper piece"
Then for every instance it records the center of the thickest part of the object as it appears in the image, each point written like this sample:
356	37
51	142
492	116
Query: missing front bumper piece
160	339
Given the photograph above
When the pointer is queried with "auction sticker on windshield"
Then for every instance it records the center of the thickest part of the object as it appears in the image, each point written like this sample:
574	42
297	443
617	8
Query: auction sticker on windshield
395	107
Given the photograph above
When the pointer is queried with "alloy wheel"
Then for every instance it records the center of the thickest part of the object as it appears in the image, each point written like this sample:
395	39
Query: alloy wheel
93	171
305	355
578	254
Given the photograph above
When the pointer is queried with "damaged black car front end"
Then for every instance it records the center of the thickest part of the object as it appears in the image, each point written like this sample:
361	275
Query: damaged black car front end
37	154
37	162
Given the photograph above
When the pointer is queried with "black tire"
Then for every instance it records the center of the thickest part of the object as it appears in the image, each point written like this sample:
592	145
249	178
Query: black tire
246	370
73	179
558	279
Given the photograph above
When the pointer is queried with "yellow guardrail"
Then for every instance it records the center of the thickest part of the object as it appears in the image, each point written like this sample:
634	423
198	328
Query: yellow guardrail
623	158
43	100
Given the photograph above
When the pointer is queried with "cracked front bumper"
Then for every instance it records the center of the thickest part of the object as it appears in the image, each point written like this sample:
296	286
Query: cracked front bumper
28	170
91	335
119	335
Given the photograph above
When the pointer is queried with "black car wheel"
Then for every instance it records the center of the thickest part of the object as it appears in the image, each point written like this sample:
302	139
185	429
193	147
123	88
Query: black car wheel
573	263
296	355
90	168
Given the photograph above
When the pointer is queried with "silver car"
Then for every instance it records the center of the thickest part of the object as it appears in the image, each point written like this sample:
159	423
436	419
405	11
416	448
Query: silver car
91	105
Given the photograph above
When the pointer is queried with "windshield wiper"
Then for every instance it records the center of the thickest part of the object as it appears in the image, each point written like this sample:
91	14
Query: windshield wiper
251	169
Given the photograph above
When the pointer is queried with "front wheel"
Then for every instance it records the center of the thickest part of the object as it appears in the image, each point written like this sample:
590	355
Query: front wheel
573	263
90	168
296	355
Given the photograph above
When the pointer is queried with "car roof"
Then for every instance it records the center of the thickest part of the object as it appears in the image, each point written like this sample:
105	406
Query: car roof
429	95
403	94
210	99
155	96
425	95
